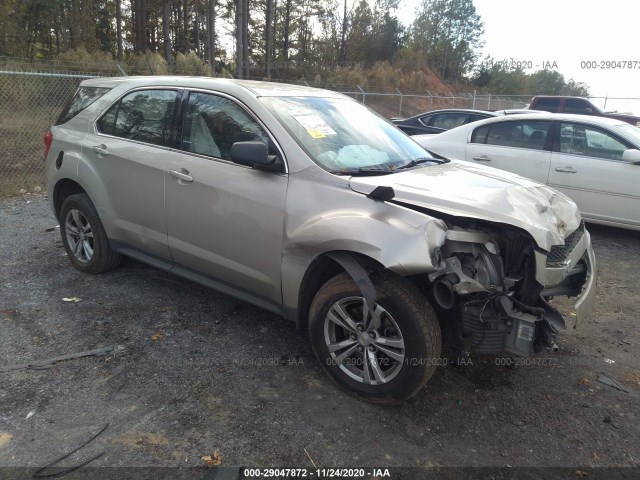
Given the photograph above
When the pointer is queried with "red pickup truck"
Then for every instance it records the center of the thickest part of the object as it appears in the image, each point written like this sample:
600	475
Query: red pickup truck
579	105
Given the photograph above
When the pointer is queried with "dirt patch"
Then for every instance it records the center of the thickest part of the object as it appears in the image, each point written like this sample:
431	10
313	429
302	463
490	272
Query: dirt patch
142	439
5	438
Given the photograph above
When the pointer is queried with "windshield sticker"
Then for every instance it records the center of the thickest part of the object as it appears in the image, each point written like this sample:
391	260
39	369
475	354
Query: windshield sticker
315	126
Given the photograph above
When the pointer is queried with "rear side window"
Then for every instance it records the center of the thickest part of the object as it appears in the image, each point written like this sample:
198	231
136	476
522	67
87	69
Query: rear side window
83	97
475	118
520	134
144	116
480	134
449	120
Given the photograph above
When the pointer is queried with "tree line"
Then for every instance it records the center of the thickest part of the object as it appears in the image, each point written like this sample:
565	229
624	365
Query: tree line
264	33
261	38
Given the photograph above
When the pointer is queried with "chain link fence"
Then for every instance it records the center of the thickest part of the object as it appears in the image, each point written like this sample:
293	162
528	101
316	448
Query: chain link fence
29	104
30	101
402	105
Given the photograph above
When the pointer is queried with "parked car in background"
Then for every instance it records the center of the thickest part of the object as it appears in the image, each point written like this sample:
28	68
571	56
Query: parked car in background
307	204
439	121
593	160
578	106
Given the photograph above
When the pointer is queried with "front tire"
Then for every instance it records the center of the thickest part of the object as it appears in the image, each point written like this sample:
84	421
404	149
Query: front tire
385	358
84	237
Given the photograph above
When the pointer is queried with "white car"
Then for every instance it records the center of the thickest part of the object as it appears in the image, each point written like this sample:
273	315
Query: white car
593	160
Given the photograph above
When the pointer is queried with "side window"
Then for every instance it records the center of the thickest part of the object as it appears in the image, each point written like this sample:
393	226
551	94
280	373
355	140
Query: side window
83	97
531	134
475	118
144	115
480	134
547	104
449	120
577	105
426	119
213	123
576	139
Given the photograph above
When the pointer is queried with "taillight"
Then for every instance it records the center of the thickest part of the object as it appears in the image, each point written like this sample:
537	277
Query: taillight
48	140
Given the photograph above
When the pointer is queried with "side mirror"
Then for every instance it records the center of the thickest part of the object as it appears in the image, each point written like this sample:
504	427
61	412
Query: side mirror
254	155
632	156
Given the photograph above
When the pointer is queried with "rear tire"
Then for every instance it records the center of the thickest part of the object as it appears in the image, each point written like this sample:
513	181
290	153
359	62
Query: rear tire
386	359
84	237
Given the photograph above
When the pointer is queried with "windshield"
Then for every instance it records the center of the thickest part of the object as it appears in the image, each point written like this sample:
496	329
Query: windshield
342	135
631	130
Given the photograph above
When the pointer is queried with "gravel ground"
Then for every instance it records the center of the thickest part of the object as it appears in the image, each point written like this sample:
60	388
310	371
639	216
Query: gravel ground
197	373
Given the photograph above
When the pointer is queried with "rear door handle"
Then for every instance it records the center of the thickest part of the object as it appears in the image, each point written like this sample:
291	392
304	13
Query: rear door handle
100	150
566	170
482	158
182	174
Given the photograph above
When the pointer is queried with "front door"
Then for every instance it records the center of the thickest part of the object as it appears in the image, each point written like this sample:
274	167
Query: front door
223	219
587	166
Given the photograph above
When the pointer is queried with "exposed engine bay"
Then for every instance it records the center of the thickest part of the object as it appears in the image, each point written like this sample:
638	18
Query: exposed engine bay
488	294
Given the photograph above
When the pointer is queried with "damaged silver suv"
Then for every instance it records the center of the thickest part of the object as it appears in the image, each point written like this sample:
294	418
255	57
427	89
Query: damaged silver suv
307	204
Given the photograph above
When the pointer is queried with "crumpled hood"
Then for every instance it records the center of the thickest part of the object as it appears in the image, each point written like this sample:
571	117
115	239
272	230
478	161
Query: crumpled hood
467	190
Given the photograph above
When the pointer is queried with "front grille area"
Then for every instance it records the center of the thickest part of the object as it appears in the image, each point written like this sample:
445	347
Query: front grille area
559	253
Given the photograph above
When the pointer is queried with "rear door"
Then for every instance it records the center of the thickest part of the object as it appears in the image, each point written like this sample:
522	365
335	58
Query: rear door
521	147
225	220
128	152
587	165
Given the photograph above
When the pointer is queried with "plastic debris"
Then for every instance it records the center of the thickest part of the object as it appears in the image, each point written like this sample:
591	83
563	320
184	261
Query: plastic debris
72	299
30	414
611	382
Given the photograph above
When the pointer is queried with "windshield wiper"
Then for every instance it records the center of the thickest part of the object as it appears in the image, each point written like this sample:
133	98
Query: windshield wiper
363	172
439	157
418	161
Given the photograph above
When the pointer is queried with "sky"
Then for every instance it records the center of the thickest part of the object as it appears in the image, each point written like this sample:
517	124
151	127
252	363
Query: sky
567	32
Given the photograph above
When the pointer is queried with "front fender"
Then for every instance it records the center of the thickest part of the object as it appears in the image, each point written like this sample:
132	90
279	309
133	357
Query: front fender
402	240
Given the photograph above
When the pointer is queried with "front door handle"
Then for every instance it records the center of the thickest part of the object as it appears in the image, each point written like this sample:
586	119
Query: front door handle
100	150
566	170
482	158
182	174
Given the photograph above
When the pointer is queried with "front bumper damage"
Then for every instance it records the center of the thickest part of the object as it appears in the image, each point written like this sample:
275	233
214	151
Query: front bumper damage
492	301
556	274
